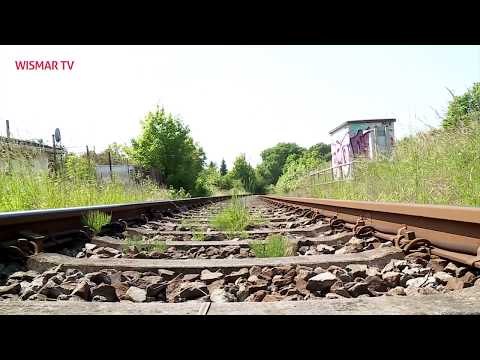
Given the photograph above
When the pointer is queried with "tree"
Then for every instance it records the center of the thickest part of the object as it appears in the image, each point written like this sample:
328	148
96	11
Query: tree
296	168
208	181
274	158
166	145
462	109
244	172
321	151
118	153
223	168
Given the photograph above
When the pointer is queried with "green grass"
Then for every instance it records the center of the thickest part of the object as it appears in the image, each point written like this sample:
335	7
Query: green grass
235	218
24	187
275	245
138	243
435	167
96	219
197	234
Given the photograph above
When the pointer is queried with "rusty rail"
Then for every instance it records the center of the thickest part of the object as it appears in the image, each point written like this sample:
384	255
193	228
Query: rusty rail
31	229
451	232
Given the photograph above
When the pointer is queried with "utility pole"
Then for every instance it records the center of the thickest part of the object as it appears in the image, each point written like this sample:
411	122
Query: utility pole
54	154
8	128
88	156
110	164
128	172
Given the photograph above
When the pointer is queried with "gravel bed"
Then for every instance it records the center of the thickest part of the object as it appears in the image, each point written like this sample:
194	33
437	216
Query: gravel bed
417	274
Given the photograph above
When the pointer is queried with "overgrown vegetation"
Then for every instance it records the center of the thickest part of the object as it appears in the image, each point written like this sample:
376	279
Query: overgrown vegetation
24	186
235	218
440	166
96	219
137	243
298	167
275	245
166	145
437	167
118	155
464	109
197	232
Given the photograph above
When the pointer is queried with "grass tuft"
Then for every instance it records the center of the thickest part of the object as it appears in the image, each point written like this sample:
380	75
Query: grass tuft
235	219
96	219
275	245
139	244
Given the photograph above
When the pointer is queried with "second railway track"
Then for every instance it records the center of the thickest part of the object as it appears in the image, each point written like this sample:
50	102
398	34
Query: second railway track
343	257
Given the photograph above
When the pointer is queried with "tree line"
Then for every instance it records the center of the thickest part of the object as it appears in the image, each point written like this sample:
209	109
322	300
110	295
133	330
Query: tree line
165	144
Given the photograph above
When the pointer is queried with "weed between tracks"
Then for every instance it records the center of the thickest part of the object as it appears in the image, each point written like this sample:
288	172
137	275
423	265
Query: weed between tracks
235	219
275	245
197	233
137	243
96	219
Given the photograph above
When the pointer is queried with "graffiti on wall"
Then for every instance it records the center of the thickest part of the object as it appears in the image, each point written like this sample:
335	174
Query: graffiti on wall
360	142
351	145
341	151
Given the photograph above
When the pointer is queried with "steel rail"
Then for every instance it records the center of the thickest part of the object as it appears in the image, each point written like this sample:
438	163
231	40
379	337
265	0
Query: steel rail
48	221
452	231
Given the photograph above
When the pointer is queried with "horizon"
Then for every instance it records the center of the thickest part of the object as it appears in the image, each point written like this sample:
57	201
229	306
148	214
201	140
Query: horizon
234	99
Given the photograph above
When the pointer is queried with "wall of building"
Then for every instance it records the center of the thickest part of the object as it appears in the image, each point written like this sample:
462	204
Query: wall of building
360	140
38	163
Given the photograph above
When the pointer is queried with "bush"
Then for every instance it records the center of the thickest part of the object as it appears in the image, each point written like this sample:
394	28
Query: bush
296	170
464	109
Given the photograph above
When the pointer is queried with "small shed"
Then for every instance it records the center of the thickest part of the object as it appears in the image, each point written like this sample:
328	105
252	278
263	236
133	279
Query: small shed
360	138
39	155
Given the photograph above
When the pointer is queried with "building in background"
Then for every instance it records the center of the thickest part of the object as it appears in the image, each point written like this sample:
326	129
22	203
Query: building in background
40	156
357	139
123	173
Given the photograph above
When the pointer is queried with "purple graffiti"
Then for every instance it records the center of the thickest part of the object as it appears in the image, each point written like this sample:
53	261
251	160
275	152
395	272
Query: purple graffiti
341	151
350	146
360	142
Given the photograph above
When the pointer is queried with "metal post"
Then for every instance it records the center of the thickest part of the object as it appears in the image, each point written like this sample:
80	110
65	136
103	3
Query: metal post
8	128
54	154
88	160
110	164
128	173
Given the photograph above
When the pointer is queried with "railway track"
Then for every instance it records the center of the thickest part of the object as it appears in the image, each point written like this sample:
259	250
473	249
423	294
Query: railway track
167	257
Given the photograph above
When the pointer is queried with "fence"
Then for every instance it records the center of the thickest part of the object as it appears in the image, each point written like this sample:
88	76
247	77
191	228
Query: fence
332	174
122	173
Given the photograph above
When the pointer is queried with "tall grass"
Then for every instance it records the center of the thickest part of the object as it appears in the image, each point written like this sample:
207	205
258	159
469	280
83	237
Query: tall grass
435	167
235	218
275	245
24	187
96	219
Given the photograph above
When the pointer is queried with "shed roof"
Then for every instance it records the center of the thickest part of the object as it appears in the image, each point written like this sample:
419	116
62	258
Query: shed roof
346	123
29	143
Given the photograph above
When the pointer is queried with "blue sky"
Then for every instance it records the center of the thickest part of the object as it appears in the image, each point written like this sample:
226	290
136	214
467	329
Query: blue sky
234	98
